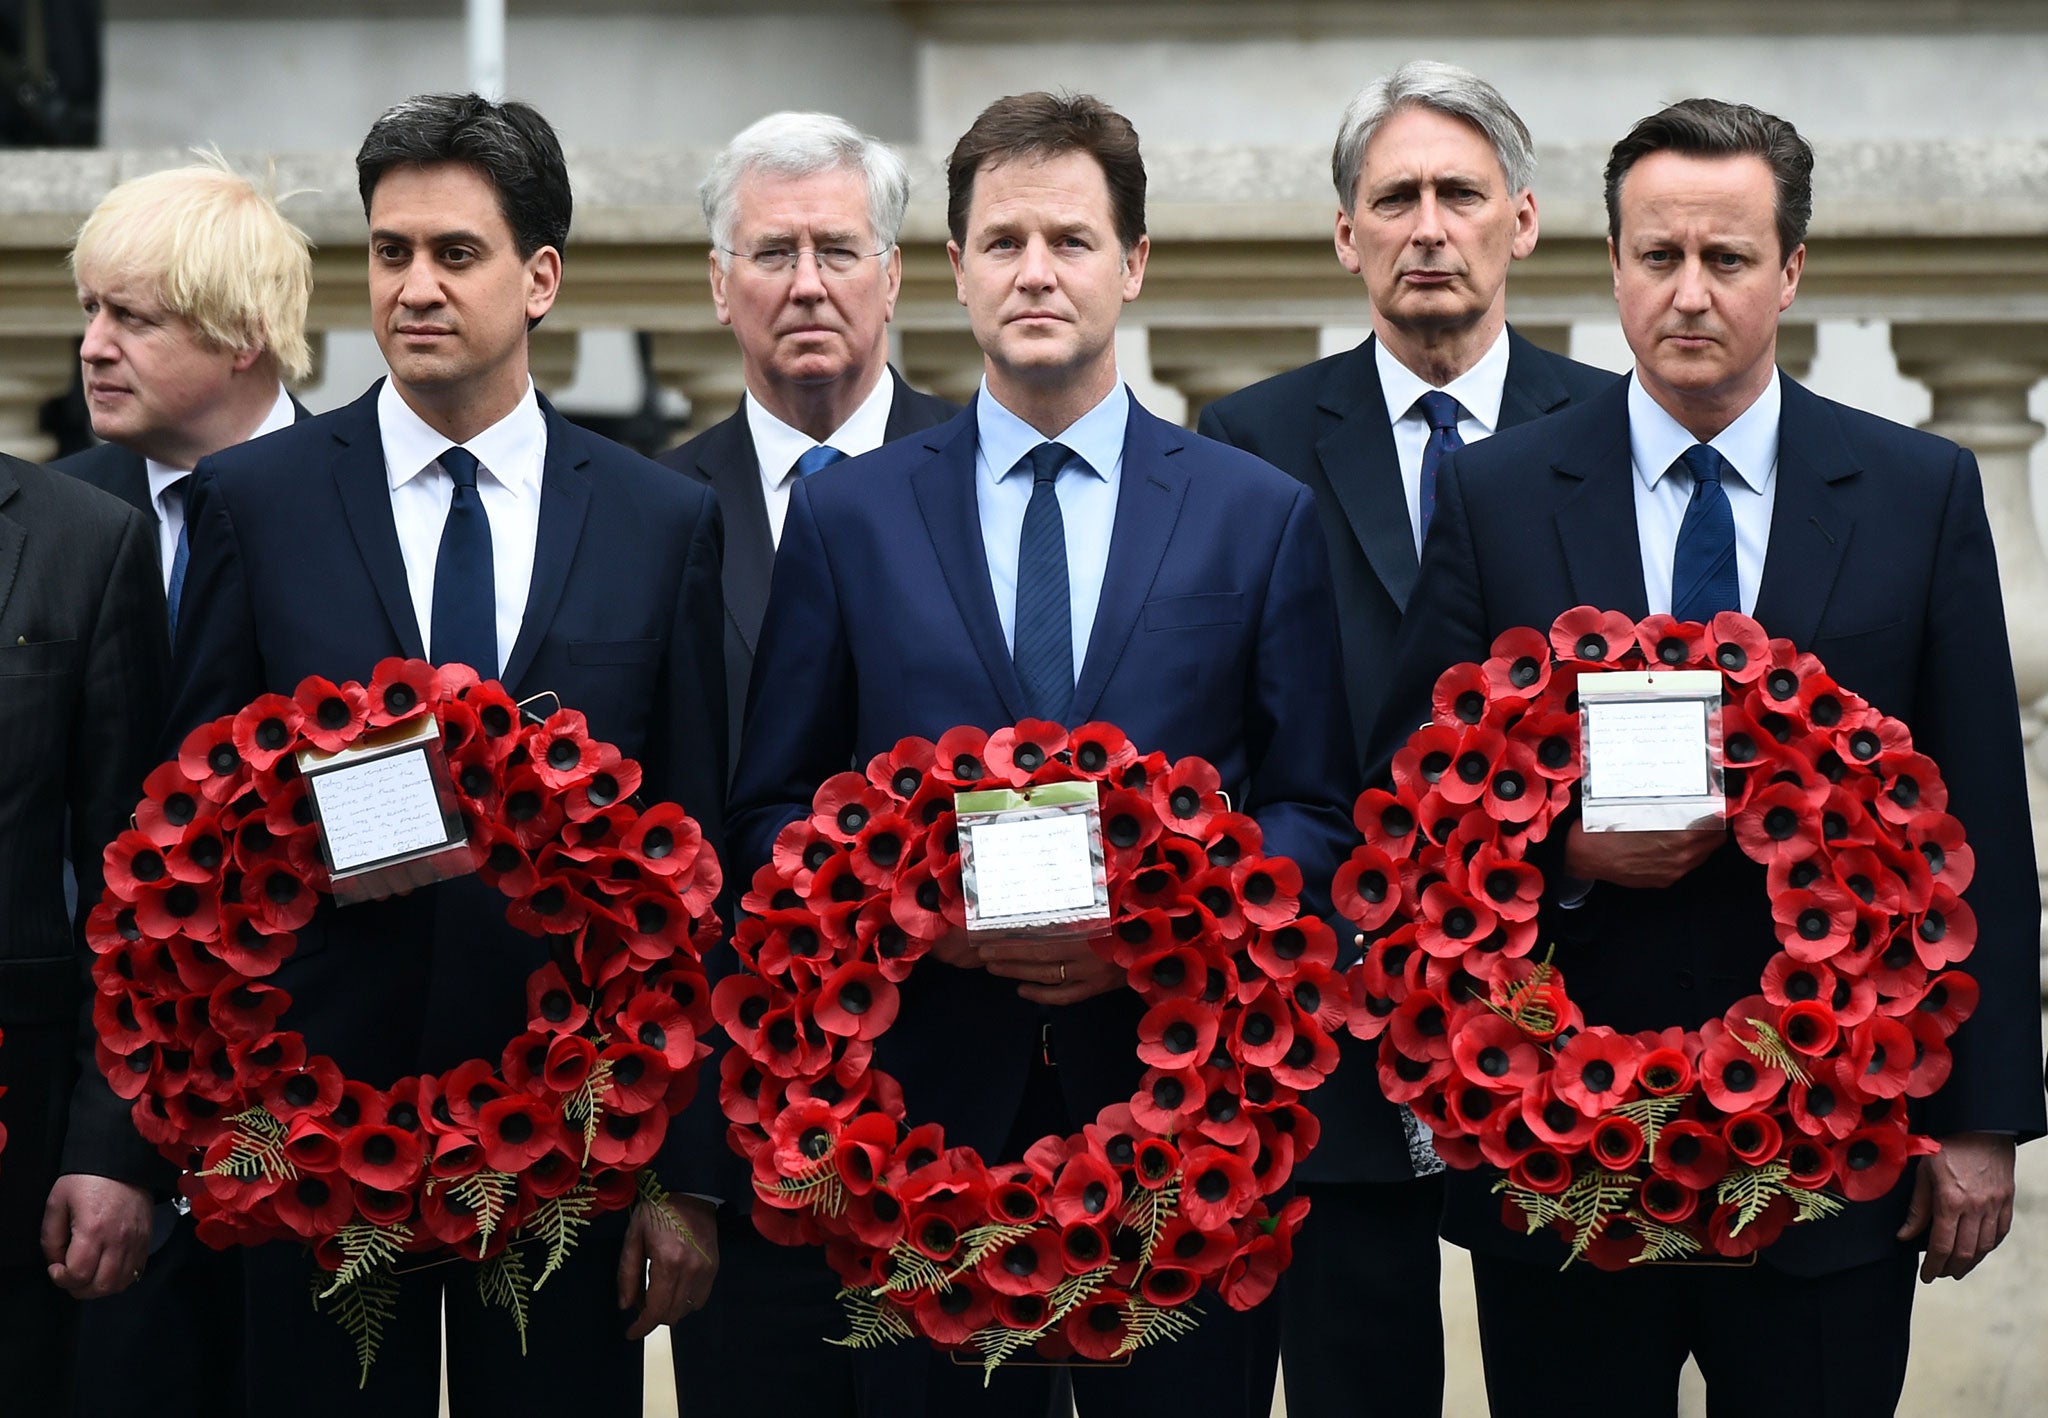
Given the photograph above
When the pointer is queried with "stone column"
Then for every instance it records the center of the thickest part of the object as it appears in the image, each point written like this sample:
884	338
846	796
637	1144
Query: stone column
704	365
1206	362
1796	346
1555	338
943	361
34	369
1980	376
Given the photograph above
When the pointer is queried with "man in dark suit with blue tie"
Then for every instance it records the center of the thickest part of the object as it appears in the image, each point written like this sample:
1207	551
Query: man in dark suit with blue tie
1433	172
803	212
194	288
1054	552
451	514
1707	482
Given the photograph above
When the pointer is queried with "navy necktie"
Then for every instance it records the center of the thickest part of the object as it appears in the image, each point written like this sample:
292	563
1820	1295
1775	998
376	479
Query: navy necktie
823	456
1703	564
182	557
1443	413
465	629
1043	645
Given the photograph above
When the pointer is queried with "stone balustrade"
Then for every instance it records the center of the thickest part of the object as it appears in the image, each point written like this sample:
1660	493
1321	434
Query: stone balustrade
1940	240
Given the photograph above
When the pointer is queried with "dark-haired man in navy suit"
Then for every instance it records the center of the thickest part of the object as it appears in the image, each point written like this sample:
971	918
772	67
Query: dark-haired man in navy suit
1054	552
453	515
1707	482
1433	172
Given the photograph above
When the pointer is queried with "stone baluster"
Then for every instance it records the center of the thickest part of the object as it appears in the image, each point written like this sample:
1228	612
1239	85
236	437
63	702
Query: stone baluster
551	356
943	361
1206	362
1980	376
1796	346
704	366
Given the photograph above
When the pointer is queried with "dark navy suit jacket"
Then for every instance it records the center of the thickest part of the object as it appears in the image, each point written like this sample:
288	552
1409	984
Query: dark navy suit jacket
296	571
1879	562
1215	635
1326	424
722	457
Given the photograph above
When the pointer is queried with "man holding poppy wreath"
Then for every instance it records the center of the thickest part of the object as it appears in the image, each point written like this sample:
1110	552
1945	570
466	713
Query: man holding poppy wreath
451	514
1054	552
1705	482
1433	172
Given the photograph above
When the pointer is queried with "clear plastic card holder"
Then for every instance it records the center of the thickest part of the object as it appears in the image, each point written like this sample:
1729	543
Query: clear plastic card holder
387	812
1650	744
1033	860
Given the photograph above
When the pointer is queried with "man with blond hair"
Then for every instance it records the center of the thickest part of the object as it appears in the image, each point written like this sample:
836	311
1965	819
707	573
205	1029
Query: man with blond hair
194	288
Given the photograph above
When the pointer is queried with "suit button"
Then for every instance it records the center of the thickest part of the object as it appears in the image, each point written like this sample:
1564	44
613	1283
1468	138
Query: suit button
1685	979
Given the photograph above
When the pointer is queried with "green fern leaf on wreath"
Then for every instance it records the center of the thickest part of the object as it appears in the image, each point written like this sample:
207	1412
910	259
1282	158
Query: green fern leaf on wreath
873	1322
362	1308
558	1222
365	1248
1651	1115
1751	1189
486	1195
502	1281
1147	1323
1770	1048
1661	1242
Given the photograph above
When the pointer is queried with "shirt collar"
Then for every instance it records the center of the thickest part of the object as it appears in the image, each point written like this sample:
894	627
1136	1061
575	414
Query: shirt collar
1750	444
510	450
777	446
162	475
1478	390
1096	438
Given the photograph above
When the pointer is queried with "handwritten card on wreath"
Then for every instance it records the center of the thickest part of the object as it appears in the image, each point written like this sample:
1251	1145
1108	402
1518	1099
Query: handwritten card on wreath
1033	859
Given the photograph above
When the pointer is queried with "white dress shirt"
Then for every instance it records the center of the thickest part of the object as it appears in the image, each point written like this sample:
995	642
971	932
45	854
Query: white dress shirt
1750	446
170	512
1478	392
509	454
1086	488
777	446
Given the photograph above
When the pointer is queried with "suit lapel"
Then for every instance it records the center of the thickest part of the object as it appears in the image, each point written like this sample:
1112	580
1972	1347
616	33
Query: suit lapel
903	419
364	486
13	537
1809	527
1148	502
1596	521
944	489
564	501
131	484
725	457
1532	388
1356	450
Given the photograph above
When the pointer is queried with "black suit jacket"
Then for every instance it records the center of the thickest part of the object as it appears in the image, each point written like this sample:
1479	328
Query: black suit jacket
296	570
83	666
722	458
1326	424
112	468
1880	562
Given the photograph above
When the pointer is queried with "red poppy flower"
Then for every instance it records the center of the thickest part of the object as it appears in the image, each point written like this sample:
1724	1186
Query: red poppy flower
1388	822
1594	1070
1168	1101
1421	763
611	779
1593	636
1187	796
208	757
515	1132
1810	1027
1779	821
1461	697
1868	1162
1617	1143
1313	1054
856	1002
1420	1027
1691	1154
246	1010
171	801
1216	1187
1366	889
922	905
1912	786
1932	1061
1263	1030
331	716
1177	1033
1518	664
655	1021
280	895
1741	649
1542	1169
561	750
1270	888
315	1206
1949	999
1452	921
263	732
958	757
1017	754
1100	750
1938	838
628	1140
954	1315
398	690
1493	1053
1946	931
1733	1078
1816	923
1880	1055
1753	1136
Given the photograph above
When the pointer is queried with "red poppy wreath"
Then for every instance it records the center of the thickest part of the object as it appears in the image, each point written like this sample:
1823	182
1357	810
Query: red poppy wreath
1689	1141
224	864
1093	1244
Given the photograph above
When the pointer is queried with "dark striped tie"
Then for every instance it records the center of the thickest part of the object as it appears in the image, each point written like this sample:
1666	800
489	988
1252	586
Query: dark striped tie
182	557
1443	413
1043	646
1703	564
465	629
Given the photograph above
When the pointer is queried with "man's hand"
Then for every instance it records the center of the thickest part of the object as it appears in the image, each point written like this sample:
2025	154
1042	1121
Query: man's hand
1061	970
663	1272
1962	1198
95	1234
1638	859
955	949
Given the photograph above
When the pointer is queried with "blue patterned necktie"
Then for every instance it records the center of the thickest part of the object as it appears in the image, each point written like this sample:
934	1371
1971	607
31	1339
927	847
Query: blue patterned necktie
1703	564
823	456
1443	413
1043	645
465	629
182	557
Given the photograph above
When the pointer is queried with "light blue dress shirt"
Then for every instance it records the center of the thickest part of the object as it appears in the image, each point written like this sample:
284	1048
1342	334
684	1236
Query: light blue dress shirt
1087	489
1750	446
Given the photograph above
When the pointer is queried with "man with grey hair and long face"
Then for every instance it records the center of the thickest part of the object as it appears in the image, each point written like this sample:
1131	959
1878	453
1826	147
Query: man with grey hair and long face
1433	172
803	211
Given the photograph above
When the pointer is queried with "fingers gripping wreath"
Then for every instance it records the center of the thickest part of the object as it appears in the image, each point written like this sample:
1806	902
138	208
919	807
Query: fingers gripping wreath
224	865
1663	1145
1092	1244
